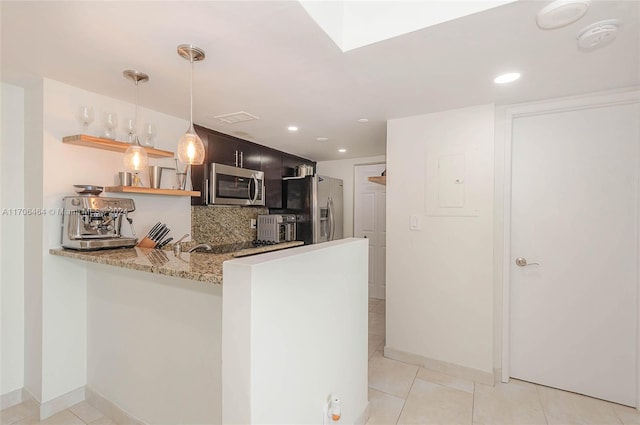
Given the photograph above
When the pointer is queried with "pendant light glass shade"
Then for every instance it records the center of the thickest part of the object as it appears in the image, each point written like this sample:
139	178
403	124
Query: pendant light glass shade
135	157
190	147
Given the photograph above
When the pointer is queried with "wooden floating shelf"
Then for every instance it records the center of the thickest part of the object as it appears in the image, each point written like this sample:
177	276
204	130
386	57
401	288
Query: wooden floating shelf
111	145
150	191
379	179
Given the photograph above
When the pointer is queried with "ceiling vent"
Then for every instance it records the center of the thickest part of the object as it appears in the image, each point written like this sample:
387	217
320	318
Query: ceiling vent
236	117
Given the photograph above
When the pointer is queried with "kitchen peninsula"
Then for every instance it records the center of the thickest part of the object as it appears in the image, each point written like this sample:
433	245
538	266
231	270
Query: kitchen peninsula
283	332
198	266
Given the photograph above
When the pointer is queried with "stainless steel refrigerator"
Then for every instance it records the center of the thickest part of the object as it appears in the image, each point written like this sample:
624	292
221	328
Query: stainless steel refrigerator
317	202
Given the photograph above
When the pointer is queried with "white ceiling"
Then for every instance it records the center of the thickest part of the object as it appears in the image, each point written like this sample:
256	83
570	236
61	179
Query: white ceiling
272	60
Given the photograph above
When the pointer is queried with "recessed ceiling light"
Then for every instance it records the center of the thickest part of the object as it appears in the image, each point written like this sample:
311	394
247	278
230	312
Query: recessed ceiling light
363	120
506	78
322	139
342	150
561	13
292	128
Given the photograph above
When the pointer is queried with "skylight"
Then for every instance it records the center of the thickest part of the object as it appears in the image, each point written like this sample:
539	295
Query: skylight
353	24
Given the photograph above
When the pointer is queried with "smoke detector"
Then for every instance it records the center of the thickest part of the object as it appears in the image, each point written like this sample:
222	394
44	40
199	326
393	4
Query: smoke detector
561	13
598	34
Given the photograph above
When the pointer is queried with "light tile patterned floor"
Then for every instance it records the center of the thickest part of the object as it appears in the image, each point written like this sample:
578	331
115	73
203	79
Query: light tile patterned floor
80	414
400	393
404	394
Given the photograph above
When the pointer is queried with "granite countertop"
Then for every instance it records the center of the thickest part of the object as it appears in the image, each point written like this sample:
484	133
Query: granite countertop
198	266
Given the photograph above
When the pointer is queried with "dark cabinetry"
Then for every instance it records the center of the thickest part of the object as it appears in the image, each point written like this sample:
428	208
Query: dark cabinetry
229	150
290	162
271	165
224	149
199	179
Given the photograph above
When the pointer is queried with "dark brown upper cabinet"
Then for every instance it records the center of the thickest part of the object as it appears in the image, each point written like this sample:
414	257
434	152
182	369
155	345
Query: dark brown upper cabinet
229	150
271	165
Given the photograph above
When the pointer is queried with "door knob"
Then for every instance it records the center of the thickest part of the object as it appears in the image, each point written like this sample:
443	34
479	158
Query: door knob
522	262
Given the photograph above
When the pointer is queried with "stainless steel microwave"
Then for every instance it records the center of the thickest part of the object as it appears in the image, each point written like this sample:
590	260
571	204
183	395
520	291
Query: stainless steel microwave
235	186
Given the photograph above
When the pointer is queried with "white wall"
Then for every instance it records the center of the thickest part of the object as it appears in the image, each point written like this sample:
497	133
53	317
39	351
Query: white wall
12	238
343	169
33	273
64	283
55	290
498	233
439	278
295	332
154	345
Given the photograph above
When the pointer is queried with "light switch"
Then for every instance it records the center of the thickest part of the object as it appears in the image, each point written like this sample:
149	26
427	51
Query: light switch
415	222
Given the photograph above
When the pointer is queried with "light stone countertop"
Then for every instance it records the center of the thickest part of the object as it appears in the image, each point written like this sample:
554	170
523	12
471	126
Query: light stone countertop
198	266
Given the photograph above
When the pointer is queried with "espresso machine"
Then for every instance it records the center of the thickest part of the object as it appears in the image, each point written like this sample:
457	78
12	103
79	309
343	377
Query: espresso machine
92	223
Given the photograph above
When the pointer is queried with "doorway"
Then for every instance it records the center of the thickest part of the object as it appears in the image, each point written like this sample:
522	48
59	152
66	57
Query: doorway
369	217
571	251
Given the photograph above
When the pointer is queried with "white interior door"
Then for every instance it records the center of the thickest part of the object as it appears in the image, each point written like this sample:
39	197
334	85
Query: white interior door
369	222
575	212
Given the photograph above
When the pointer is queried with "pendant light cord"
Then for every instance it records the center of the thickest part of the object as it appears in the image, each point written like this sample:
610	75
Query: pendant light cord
135	114
135	119
191	94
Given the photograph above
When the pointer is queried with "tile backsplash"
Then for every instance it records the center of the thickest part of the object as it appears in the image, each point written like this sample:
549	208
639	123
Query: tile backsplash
223	225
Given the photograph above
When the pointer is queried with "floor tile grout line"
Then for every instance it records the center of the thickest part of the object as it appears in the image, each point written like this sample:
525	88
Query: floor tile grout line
544	412
77	416
17	420
615	412
404	403
473	402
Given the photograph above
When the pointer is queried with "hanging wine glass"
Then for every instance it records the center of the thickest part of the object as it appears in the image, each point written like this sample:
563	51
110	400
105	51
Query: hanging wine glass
130	127
86	117
110	125
149	135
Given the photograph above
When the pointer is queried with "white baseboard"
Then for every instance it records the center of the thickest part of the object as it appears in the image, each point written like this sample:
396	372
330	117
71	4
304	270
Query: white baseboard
14	397
111	410
61	403
11	398
440	366
43	410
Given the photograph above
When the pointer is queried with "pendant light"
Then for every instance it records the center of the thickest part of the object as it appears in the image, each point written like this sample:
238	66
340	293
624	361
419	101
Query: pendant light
135	157
190	146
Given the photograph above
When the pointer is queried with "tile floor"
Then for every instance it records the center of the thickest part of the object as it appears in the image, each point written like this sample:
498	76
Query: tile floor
80	414
400	393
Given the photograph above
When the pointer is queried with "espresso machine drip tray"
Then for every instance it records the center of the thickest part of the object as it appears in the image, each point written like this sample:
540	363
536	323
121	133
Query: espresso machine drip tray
96	244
